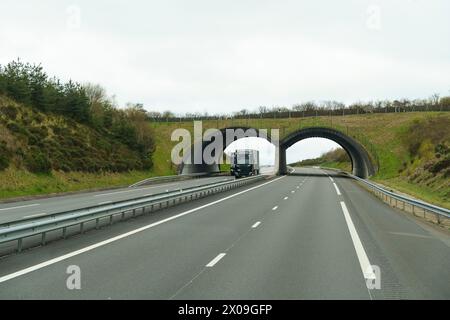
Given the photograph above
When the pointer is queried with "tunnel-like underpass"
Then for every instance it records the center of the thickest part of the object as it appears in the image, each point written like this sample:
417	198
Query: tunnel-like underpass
361	161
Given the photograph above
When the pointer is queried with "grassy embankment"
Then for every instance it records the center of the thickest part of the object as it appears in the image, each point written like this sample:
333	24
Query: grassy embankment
32	142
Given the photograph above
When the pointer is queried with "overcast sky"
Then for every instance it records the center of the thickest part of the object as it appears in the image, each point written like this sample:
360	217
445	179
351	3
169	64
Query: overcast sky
219	56
222	56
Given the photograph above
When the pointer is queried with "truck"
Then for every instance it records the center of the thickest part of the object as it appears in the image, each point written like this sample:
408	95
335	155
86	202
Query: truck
244	162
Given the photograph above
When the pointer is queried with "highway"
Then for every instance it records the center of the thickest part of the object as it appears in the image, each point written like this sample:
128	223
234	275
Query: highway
41	207
309	235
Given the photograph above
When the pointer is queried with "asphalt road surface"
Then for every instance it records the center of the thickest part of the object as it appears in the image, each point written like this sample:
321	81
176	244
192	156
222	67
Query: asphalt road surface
41	207
311	235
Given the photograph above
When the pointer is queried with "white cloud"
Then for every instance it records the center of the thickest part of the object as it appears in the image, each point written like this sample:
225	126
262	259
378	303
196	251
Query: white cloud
222	57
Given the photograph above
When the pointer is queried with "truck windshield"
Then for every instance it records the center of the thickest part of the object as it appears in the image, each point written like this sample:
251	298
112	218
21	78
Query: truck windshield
242	158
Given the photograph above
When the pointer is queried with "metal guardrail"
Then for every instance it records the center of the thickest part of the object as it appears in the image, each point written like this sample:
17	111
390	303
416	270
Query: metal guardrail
176	177
20	229
402	201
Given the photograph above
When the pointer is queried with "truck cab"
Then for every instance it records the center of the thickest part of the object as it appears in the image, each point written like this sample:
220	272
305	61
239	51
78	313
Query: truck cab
244	163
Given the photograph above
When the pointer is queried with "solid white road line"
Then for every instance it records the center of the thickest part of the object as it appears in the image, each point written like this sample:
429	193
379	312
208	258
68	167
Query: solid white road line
124	235
337	189
256	224
274	208
20	207
331	179
132	190
285	198
106	202
215	260
293	191
364	262
35	215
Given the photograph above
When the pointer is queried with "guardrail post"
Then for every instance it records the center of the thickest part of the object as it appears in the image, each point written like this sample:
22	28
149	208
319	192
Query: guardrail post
96	223
82	227
43	239
110	219
64	235
19	245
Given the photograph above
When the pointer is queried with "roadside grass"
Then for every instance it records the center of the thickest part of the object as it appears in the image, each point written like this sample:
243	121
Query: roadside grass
17	183
344	166
224	167
419	191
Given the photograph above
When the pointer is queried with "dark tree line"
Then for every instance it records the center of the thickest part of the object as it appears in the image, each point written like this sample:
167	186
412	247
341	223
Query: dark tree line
313	108
87	104
29	84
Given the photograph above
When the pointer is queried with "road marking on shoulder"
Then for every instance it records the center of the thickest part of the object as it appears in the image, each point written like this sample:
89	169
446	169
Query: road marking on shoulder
125	235
293	191
298	187
35	215
132	190
364	262
285	198
20	207
215	260
274	208
106	202
331	179
337	189
256	224
411	235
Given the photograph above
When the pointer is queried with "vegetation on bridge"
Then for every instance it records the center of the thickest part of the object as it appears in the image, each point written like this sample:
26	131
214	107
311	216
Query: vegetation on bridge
387	137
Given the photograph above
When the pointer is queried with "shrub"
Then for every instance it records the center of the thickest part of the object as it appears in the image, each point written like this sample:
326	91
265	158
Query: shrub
5	156
40	132
10	112
37	162
440	165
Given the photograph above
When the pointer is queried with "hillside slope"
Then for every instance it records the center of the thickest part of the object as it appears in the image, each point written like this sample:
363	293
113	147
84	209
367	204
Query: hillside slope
45	153
336	158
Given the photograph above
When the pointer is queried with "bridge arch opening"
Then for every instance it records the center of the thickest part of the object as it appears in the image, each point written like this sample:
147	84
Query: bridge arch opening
313	152
361	162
